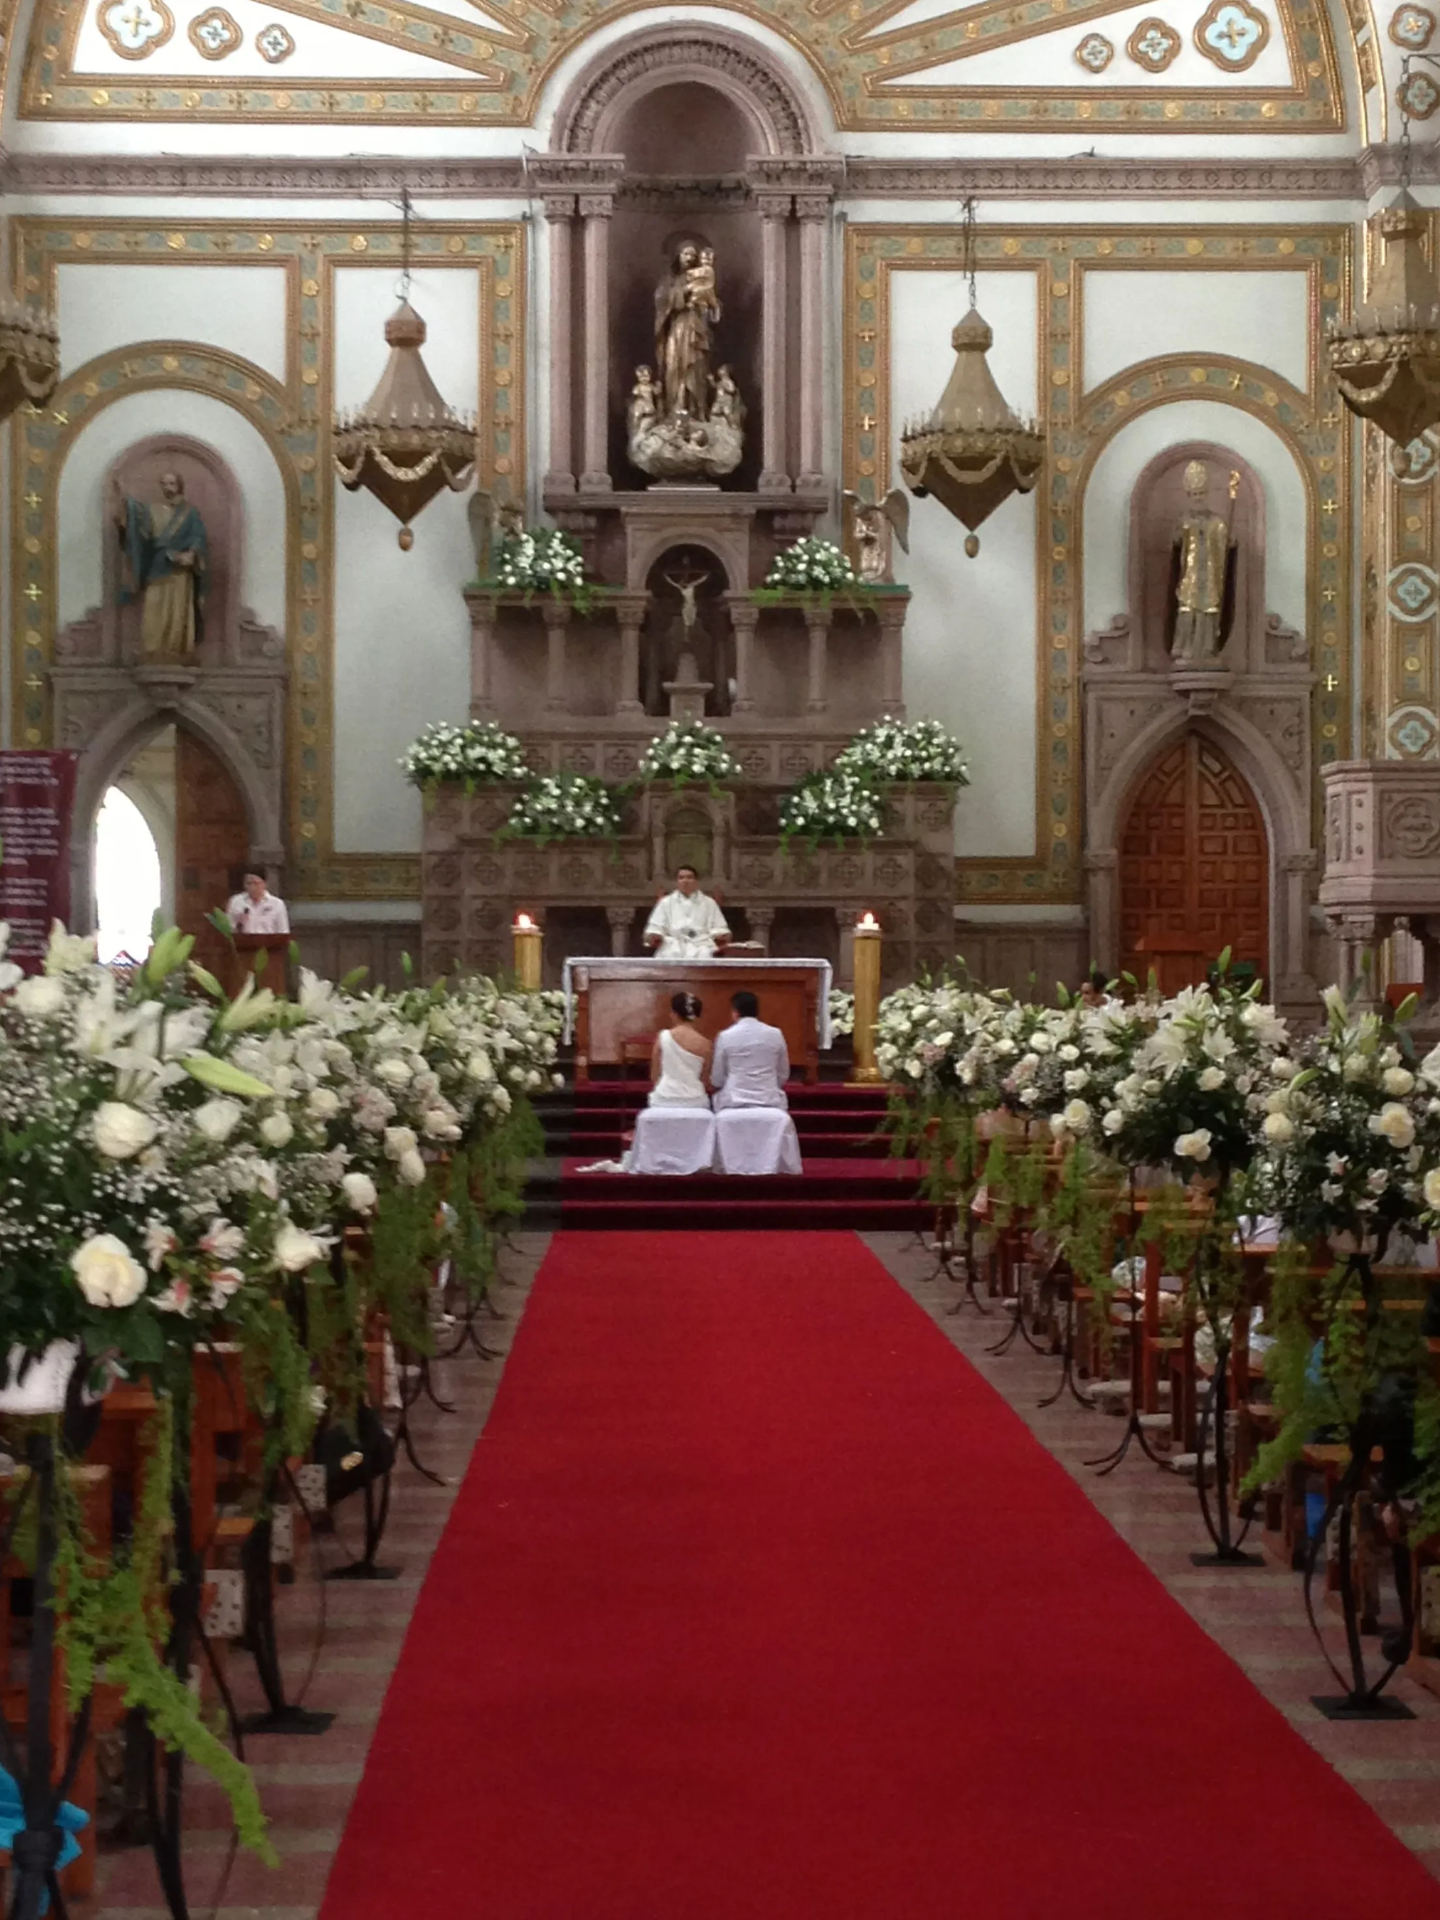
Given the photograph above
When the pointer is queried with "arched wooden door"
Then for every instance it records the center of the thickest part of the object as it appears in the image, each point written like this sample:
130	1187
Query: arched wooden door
212	839
1194	869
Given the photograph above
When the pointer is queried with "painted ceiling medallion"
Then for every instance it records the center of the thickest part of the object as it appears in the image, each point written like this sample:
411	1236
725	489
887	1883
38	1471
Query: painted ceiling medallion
274	44
214	35
1153	45
135	28
1412	28
1095	53
1418	94
1231	35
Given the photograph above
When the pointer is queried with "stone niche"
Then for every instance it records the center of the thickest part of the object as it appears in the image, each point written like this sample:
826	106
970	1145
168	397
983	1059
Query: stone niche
230	692
1252	703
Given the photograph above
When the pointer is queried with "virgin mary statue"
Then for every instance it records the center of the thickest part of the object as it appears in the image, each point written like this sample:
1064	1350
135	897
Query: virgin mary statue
686	307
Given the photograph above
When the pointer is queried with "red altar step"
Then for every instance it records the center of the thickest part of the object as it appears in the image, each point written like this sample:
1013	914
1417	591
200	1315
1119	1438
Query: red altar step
829	1193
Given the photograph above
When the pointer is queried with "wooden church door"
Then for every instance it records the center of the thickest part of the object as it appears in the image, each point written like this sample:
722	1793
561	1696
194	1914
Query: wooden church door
1194	869
212	839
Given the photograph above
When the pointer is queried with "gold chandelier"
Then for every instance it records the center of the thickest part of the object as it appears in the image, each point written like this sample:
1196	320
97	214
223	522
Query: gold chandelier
406	444
29	356
973	451
1386	356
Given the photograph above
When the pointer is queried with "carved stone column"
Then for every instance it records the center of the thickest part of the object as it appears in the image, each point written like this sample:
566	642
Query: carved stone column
817	623
630	609
560	213
761	920
813	210
845	966
774	230
744	618
482	640
595	211
890	611
620	919
557	618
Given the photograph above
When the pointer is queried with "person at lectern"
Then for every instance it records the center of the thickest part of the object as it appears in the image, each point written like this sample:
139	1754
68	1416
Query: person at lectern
254	909
686	924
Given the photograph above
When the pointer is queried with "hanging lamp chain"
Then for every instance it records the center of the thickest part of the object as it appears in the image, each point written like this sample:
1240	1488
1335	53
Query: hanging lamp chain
968	243
404	288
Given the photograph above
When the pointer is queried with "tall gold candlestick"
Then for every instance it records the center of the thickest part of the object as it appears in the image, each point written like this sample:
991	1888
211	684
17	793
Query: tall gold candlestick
867	999
529	943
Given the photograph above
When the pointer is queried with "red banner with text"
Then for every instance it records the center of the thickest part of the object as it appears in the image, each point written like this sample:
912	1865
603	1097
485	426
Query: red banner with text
37	793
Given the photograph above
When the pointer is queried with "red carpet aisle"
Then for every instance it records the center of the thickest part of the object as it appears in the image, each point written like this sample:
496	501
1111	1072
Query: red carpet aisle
759	1605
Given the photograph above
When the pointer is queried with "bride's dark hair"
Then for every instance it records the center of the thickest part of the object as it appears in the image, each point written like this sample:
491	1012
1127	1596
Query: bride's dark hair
687	1005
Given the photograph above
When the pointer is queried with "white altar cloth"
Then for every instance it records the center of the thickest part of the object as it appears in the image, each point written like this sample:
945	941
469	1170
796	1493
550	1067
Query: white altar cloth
598	965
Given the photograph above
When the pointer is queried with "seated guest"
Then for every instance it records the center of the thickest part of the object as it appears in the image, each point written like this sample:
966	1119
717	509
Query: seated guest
679	1058
752	1062
254	909
686	924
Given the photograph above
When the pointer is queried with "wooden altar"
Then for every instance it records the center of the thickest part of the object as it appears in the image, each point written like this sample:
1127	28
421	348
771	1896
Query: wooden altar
622	1002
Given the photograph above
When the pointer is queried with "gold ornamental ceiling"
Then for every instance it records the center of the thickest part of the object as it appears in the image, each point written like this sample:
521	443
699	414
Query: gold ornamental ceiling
903	66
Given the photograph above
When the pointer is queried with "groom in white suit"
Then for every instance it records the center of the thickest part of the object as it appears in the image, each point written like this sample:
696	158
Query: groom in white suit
751	1062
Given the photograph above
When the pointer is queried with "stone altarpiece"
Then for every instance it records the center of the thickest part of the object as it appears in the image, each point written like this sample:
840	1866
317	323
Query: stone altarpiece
110	698
1252	702
787	683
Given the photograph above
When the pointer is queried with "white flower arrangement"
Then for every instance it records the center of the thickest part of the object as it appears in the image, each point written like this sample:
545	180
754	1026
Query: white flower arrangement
565	806
899	750
842	1012
811	565
688	750
836	804
476	753
545	560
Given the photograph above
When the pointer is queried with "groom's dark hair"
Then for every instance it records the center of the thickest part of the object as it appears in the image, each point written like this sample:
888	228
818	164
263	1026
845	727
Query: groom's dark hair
746	1005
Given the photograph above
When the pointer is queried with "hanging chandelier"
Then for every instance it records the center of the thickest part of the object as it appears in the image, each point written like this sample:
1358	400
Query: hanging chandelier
973	451
29	356
1386	356
406	444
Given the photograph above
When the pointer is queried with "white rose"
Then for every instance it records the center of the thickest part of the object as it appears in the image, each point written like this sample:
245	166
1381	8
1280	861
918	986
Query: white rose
276	1130
399	1140
1113	1121
1211	1078
1193	1146
295	1250
1396	1080
217	1119
479	1067
1076	1079
392	1070
500	1099
411	1168
121	1130
440	1125
1279	1127
108	1273
359	1190
1432	1187
1430	1066
1394	1123
1356	1067
323	1103
40	997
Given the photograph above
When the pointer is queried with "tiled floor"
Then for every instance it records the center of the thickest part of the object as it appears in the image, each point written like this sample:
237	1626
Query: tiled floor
308	1784
1256	1614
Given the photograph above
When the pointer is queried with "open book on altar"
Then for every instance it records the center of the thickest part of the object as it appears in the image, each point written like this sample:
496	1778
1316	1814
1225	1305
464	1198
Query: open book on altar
616	1004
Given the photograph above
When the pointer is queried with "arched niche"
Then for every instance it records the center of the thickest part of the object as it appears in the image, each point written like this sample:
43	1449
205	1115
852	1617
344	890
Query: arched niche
1158	501
663	639
211	488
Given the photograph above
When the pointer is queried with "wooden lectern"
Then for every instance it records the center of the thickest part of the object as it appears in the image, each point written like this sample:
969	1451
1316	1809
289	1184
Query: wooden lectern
242	961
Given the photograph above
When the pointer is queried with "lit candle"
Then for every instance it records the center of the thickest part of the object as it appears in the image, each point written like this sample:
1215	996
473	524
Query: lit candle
868	923
524	921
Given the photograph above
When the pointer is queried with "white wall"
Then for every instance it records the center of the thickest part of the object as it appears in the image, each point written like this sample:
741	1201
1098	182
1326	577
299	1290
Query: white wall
121	303
1262	316
970	640
82	523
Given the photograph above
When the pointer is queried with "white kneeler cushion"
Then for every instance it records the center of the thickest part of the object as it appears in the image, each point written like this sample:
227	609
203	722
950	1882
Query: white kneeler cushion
673	1140
756	1140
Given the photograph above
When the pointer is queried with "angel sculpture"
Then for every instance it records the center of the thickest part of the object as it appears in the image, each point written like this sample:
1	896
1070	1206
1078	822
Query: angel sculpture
871	526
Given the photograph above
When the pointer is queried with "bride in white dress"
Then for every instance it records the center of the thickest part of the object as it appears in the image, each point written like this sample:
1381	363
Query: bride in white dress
680	1057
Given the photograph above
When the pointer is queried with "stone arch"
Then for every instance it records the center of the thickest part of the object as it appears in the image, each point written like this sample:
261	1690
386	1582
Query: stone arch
746	72
1283	807
160	699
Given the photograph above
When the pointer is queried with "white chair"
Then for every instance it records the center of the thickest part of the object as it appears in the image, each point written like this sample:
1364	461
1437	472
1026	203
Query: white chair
673	1140
756	1140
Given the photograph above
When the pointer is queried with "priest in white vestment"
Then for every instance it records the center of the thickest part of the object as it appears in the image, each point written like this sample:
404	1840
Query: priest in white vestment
686	924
